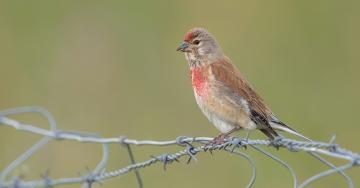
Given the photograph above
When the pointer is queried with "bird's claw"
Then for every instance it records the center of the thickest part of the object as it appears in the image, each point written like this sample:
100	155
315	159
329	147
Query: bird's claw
220	139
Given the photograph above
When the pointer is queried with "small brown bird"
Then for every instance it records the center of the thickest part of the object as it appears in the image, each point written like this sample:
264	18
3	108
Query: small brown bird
222	93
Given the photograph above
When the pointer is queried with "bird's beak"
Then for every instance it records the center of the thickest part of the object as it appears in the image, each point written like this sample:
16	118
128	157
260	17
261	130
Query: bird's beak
183	47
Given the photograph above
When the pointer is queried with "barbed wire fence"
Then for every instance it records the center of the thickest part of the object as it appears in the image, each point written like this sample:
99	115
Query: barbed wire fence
190	147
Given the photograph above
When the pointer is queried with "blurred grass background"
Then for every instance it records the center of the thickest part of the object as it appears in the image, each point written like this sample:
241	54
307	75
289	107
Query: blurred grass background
111	67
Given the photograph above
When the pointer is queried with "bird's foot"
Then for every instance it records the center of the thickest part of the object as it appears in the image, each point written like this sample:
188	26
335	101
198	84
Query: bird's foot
220	139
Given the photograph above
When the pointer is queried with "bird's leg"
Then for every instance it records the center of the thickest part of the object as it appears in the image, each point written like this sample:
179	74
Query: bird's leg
247	135
220	139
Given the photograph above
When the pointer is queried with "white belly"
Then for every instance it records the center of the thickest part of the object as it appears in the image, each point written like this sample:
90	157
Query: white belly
222	125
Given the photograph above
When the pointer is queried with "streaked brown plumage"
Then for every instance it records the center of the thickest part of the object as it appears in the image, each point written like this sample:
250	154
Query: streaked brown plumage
222	93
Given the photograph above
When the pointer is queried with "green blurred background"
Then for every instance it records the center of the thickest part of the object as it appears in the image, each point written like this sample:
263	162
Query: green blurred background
111	67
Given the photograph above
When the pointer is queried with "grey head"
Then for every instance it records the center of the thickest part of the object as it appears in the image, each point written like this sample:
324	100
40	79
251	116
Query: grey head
200	46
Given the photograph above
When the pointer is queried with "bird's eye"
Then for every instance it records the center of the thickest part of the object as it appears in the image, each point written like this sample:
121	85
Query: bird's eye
196	42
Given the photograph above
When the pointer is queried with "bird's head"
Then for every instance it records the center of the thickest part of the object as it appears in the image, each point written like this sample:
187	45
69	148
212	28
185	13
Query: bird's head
199	44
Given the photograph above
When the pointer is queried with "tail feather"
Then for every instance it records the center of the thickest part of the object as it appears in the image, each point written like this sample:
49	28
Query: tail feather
278	125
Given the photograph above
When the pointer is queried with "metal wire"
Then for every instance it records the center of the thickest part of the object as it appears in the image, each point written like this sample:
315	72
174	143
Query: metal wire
132	160
99	174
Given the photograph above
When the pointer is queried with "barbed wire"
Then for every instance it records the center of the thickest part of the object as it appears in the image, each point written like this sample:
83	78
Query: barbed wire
192	145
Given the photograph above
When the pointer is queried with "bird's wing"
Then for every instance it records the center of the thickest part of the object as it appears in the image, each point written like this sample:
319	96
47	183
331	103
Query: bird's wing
227	76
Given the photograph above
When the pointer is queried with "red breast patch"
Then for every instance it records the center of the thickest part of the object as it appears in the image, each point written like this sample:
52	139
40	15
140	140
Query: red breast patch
199	81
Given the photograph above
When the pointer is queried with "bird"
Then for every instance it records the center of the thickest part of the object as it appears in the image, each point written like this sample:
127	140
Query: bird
224	96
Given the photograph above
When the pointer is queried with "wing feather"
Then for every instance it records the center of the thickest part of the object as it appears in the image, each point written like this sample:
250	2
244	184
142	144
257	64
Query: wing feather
226	73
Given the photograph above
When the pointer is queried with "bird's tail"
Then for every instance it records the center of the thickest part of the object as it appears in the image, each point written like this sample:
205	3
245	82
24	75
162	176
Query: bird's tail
278	125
